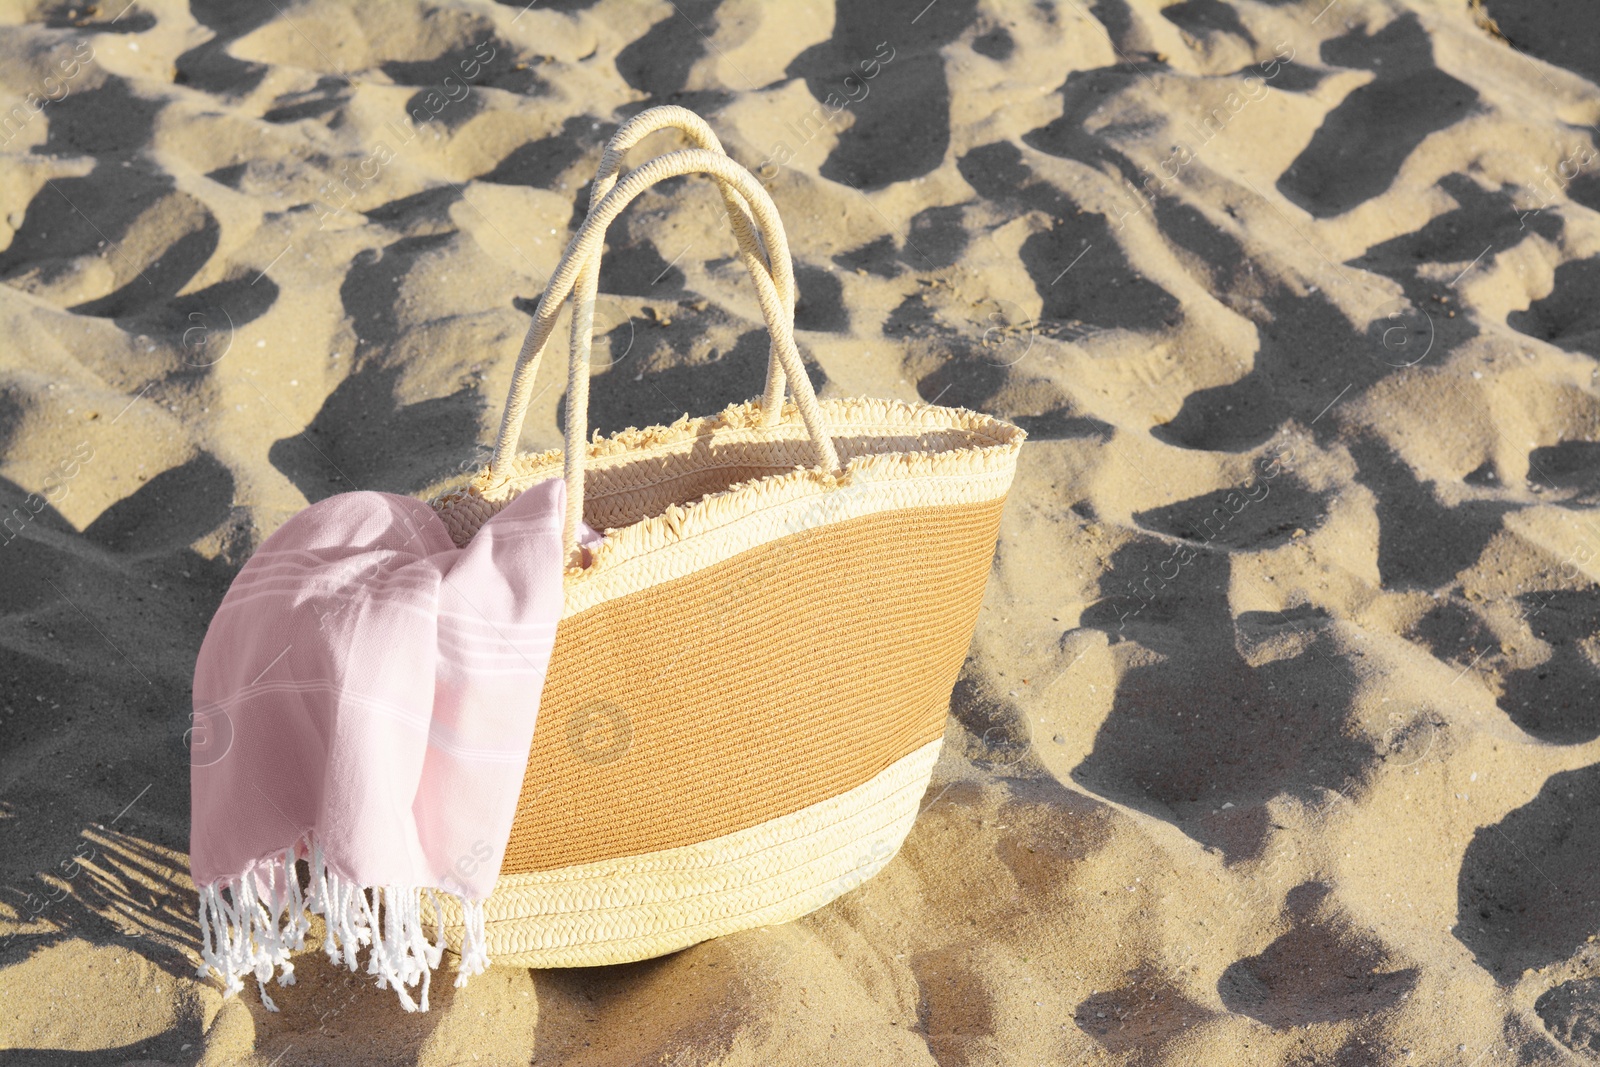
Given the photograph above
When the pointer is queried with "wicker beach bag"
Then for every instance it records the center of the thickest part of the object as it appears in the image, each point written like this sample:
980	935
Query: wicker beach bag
752	670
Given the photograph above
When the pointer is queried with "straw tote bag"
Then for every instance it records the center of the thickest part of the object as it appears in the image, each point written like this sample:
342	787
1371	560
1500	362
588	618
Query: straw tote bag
752	670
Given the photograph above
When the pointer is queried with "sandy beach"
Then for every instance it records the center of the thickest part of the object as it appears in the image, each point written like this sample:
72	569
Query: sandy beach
1278	742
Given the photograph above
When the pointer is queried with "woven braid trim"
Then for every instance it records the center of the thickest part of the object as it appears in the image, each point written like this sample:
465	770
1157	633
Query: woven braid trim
905	455
634	908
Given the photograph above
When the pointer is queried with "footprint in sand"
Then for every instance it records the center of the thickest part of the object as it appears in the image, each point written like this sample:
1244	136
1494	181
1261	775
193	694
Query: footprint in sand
1529	888
1324	970
1358	150
901	126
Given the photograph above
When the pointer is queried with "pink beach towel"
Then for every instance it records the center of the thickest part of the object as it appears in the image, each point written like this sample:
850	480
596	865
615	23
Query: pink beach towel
364	699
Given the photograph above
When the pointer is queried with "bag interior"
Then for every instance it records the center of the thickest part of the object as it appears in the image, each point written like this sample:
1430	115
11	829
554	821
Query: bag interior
629	487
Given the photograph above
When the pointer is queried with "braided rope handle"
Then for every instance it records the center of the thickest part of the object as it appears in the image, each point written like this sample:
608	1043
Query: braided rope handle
586	245
751	252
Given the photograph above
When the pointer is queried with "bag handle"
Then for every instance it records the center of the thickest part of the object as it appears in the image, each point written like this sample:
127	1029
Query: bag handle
700	133
586	244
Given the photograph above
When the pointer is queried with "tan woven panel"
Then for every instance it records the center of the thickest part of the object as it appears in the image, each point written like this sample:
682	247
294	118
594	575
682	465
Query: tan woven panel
759	686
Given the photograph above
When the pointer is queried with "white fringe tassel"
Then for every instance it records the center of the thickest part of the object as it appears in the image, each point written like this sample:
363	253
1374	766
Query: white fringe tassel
250	925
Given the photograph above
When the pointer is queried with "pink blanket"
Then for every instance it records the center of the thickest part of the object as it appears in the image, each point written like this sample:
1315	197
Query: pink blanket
364	699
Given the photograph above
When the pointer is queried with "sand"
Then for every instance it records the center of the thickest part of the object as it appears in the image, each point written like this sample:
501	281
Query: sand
1278	742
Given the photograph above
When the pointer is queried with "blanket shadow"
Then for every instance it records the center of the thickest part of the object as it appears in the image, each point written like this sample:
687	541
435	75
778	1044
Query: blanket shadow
174	1046
119	890
132	598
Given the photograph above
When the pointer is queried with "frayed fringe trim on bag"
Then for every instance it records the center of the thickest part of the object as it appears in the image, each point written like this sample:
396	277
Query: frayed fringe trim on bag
250	925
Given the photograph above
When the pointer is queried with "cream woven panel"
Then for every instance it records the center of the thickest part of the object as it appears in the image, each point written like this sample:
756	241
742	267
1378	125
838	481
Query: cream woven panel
637	907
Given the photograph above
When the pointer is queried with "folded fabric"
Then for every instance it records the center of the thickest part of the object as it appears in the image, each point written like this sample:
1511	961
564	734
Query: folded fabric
364	700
